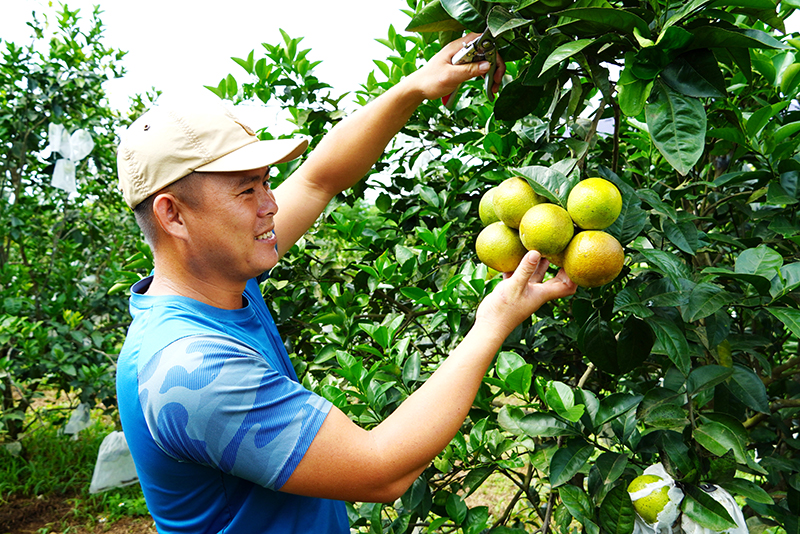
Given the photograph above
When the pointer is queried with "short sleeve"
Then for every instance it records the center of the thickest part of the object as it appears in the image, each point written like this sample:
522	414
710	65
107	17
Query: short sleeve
215	401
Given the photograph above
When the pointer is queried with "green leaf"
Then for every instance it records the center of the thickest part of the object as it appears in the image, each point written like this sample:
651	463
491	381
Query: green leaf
548	182
596	340
456	508
683	235
632	218
718	439
760	118
246	64
411	368
704	510
614	406
501	20
711	36
677	126
748	489
686	10
610	466
433	18
633	96
617	515
759	282
577	502
609	19
789	317
634	343
627	301
561	399
231	87
746	386
704	300
787	281
706	377
517	100
696	74
761	261
667	264
535	425
569	461
672	341
467	13
749	4
563	52
520	380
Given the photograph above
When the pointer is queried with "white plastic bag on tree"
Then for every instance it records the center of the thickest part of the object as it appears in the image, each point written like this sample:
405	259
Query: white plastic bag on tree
72	149
64	176
114	467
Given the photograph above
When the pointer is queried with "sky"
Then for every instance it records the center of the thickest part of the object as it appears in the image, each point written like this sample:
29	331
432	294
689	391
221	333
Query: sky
178	45
175	45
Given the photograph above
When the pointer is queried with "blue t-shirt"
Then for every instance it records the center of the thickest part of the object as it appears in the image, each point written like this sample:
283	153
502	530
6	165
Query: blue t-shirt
216	420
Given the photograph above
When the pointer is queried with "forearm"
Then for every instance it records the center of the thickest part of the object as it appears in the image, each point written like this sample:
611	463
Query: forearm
353	146
438	408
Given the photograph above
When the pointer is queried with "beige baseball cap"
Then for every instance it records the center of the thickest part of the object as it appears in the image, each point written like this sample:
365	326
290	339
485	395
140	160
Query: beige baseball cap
181	136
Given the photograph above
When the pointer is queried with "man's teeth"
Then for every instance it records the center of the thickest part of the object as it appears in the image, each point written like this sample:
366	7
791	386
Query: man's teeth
265	235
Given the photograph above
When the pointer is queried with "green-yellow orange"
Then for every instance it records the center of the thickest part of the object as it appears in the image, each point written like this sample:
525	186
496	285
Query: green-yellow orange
512	198
547	228
499	247
649	506
593	258
486	208
594	203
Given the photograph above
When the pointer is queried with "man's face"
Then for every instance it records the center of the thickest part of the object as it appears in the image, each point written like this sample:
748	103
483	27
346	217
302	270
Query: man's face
231	228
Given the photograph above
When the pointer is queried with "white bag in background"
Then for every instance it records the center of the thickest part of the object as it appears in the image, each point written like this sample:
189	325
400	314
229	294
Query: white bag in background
114	467
80	419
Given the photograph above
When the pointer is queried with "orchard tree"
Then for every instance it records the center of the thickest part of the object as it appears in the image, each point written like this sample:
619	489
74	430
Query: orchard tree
65	230
689	359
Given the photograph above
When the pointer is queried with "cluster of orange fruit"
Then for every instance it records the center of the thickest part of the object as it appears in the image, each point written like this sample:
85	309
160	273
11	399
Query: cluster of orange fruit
516	220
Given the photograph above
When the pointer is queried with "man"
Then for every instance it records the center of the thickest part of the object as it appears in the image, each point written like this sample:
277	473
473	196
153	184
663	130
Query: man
224	437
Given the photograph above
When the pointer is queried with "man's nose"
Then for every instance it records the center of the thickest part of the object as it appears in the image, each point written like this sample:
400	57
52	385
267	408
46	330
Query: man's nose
267	205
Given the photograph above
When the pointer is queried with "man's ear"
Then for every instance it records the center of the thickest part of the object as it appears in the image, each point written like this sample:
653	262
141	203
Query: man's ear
167	211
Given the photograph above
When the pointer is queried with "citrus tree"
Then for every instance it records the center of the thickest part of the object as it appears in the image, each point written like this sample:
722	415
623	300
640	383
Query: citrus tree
64	230
688	359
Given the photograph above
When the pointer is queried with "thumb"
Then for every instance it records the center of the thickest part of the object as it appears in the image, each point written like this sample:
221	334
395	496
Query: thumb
527	266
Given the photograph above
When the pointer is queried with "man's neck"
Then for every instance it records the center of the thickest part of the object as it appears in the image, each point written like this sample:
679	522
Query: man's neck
226	297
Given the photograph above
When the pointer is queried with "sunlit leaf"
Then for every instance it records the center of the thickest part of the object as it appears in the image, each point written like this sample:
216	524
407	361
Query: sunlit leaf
433	18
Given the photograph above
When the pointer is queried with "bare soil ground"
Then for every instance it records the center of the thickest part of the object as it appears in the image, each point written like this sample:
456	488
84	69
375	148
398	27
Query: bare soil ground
55	513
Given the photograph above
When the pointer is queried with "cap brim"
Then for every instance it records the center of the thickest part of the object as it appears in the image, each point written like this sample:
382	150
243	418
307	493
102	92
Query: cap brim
256	155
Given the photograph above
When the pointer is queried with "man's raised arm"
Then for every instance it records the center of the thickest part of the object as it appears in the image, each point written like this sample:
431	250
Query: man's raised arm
353	146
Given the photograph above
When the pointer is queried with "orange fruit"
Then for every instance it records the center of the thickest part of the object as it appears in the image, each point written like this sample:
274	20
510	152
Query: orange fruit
486	208
499	248
594	203
512	198
547	228
593	258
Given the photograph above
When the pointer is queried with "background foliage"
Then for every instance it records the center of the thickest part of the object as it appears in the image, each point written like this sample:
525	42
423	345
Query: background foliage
689	358
59	252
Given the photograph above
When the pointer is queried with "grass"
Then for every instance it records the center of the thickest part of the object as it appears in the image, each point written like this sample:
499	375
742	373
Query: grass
57	468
